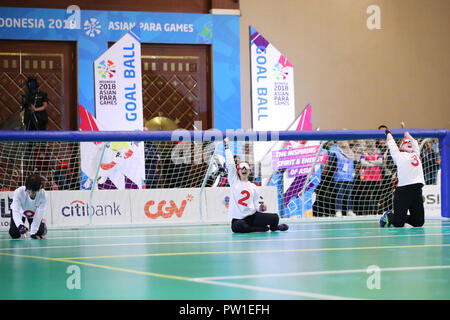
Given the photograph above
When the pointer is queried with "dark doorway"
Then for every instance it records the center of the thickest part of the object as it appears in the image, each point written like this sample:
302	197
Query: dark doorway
53	63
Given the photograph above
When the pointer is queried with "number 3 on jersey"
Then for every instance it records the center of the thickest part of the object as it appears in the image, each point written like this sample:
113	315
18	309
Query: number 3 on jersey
245	197
415	161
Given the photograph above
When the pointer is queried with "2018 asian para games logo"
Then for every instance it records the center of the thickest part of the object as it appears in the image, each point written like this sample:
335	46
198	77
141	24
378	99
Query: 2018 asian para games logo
92	27
106	69
281	69
206	35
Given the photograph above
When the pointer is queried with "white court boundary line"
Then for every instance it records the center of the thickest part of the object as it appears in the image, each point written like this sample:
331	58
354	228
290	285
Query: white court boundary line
214	280
130	244
316	273
272	290
222	225
229	233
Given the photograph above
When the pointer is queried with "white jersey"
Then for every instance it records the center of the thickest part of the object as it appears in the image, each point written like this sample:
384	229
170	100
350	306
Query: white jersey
25	207
244	196
409	166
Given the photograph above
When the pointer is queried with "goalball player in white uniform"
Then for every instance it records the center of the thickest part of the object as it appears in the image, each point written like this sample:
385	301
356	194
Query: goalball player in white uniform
29	203
408	194
246	205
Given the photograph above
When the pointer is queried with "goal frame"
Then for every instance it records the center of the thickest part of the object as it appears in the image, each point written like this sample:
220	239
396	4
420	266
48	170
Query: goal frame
246	135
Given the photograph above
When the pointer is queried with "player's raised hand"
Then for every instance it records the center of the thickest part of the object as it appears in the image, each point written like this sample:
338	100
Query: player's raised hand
226	142
385	128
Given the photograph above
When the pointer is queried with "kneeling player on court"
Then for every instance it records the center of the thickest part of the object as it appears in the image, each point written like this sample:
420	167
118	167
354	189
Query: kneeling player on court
29	203
246	204
408	194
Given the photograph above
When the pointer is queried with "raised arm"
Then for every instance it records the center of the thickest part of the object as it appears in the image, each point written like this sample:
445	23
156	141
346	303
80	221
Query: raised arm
387	132
390	141
229	160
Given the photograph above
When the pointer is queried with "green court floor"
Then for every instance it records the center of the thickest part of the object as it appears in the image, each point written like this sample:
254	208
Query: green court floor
342	259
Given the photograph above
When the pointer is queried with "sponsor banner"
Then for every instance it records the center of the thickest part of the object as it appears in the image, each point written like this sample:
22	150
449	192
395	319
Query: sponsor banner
432	200
217	202
273	96
72	208
165	206
6	198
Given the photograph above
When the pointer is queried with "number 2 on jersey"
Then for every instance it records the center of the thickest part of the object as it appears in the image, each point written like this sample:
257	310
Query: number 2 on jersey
246	195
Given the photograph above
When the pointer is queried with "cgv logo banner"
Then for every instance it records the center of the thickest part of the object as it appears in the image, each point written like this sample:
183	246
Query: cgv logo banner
166	209
165	205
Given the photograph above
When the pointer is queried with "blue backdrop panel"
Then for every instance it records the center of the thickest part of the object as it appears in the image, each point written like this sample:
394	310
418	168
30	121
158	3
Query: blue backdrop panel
96	28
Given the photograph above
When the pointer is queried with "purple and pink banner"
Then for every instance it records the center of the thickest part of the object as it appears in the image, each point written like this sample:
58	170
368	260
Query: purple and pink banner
302	123
297	161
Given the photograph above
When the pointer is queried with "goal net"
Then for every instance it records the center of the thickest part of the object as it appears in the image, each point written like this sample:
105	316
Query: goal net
301	175
340	178
167	165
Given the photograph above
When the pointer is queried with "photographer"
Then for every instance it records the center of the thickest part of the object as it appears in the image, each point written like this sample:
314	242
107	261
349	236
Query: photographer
34	104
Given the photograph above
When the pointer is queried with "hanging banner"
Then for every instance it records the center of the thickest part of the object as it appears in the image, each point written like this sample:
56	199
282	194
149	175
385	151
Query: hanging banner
118	85
302	123
273	96
118	107
297	161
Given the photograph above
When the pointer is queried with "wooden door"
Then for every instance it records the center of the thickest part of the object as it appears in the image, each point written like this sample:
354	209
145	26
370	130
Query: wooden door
54	66
53	63
176	84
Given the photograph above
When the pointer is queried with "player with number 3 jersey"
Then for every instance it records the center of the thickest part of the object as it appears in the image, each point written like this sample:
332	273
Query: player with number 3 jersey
246	204
408	194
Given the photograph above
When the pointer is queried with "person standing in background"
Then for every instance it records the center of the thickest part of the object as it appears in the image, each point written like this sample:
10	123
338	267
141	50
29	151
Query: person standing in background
371	162
35	107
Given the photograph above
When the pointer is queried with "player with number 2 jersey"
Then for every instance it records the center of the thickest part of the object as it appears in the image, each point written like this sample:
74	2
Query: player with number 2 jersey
246	204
